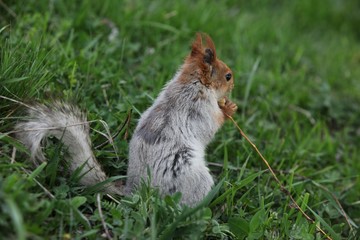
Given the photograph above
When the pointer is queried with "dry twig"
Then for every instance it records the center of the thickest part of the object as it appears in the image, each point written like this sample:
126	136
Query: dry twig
108	236
8	9
282	188
126	122
325	189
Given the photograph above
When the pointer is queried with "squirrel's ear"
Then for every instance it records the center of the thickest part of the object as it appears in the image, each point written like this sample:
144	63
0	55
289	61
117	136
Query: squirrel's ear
209	56
210	52
196	47
202	58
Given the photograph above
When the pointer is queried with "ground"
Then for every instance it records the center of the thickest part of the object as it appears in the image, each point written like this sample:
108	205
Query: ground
297	84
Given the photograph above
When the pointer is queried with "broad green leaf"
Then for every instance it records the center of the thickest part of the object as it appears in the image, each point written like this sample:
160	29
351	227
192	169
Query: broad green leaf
239	227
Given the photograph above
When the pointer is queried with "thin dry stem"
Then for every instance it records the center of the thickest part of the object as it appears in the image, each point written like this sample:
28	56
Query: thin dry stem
112	198
108	236
126	135
342	211
337	202
109	137
18	102
13	155
40	185
11	12
48	128
283	189
126	122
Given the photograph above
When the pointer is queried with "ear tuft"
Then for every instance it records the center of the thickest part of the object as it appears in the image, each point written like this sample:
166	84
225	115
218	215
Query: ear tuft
210	44
196	47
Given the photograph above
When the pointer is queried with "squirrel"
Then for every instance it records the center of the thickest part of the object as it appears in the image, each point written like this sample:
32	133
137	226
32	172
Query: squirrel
170	138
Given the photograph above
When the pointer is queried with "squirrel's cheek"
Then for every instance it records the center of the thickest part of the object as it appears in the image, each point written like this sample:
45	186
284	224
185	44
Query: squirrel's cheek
232	86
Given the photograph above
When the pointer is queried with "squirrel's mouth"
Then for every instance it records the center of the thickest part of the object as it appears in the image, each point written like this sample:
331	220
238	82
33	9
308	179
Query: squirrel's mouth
222	98
223	91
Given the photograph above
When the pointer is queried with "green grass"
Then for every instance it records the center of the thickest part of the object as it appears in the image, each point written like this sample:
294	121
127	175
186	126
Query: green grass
296	65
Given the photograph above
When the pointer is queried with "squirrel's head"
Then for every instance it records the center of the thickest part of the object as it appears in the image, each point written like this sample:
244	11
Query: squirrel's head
203	64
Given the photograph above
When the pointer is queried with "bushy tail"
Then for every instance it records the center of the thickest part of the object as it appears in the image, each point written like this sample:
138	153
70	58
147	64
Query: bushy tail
68	124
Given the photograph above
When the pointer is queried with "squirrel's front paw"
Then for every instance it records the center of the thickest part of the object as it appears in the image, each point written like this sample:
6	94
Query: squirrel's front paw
227	106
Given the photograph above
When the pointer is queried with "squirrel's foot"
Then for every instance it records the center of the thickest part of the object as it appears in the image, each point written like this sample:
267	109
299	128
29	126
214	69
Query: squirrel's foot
227	106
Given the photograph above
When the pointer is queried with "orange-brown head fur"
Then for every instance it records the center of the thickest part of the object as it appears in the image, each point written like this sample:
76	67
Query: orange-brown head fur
202	63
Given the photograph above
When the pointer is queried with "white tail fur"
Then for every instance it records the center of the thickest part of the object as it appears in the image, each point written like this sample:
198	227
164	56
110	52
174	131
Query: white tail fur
68	124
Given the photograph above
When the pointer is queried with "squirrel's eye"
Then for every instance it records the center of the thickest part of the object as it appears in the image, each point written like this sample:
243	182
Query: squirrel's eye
228	76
